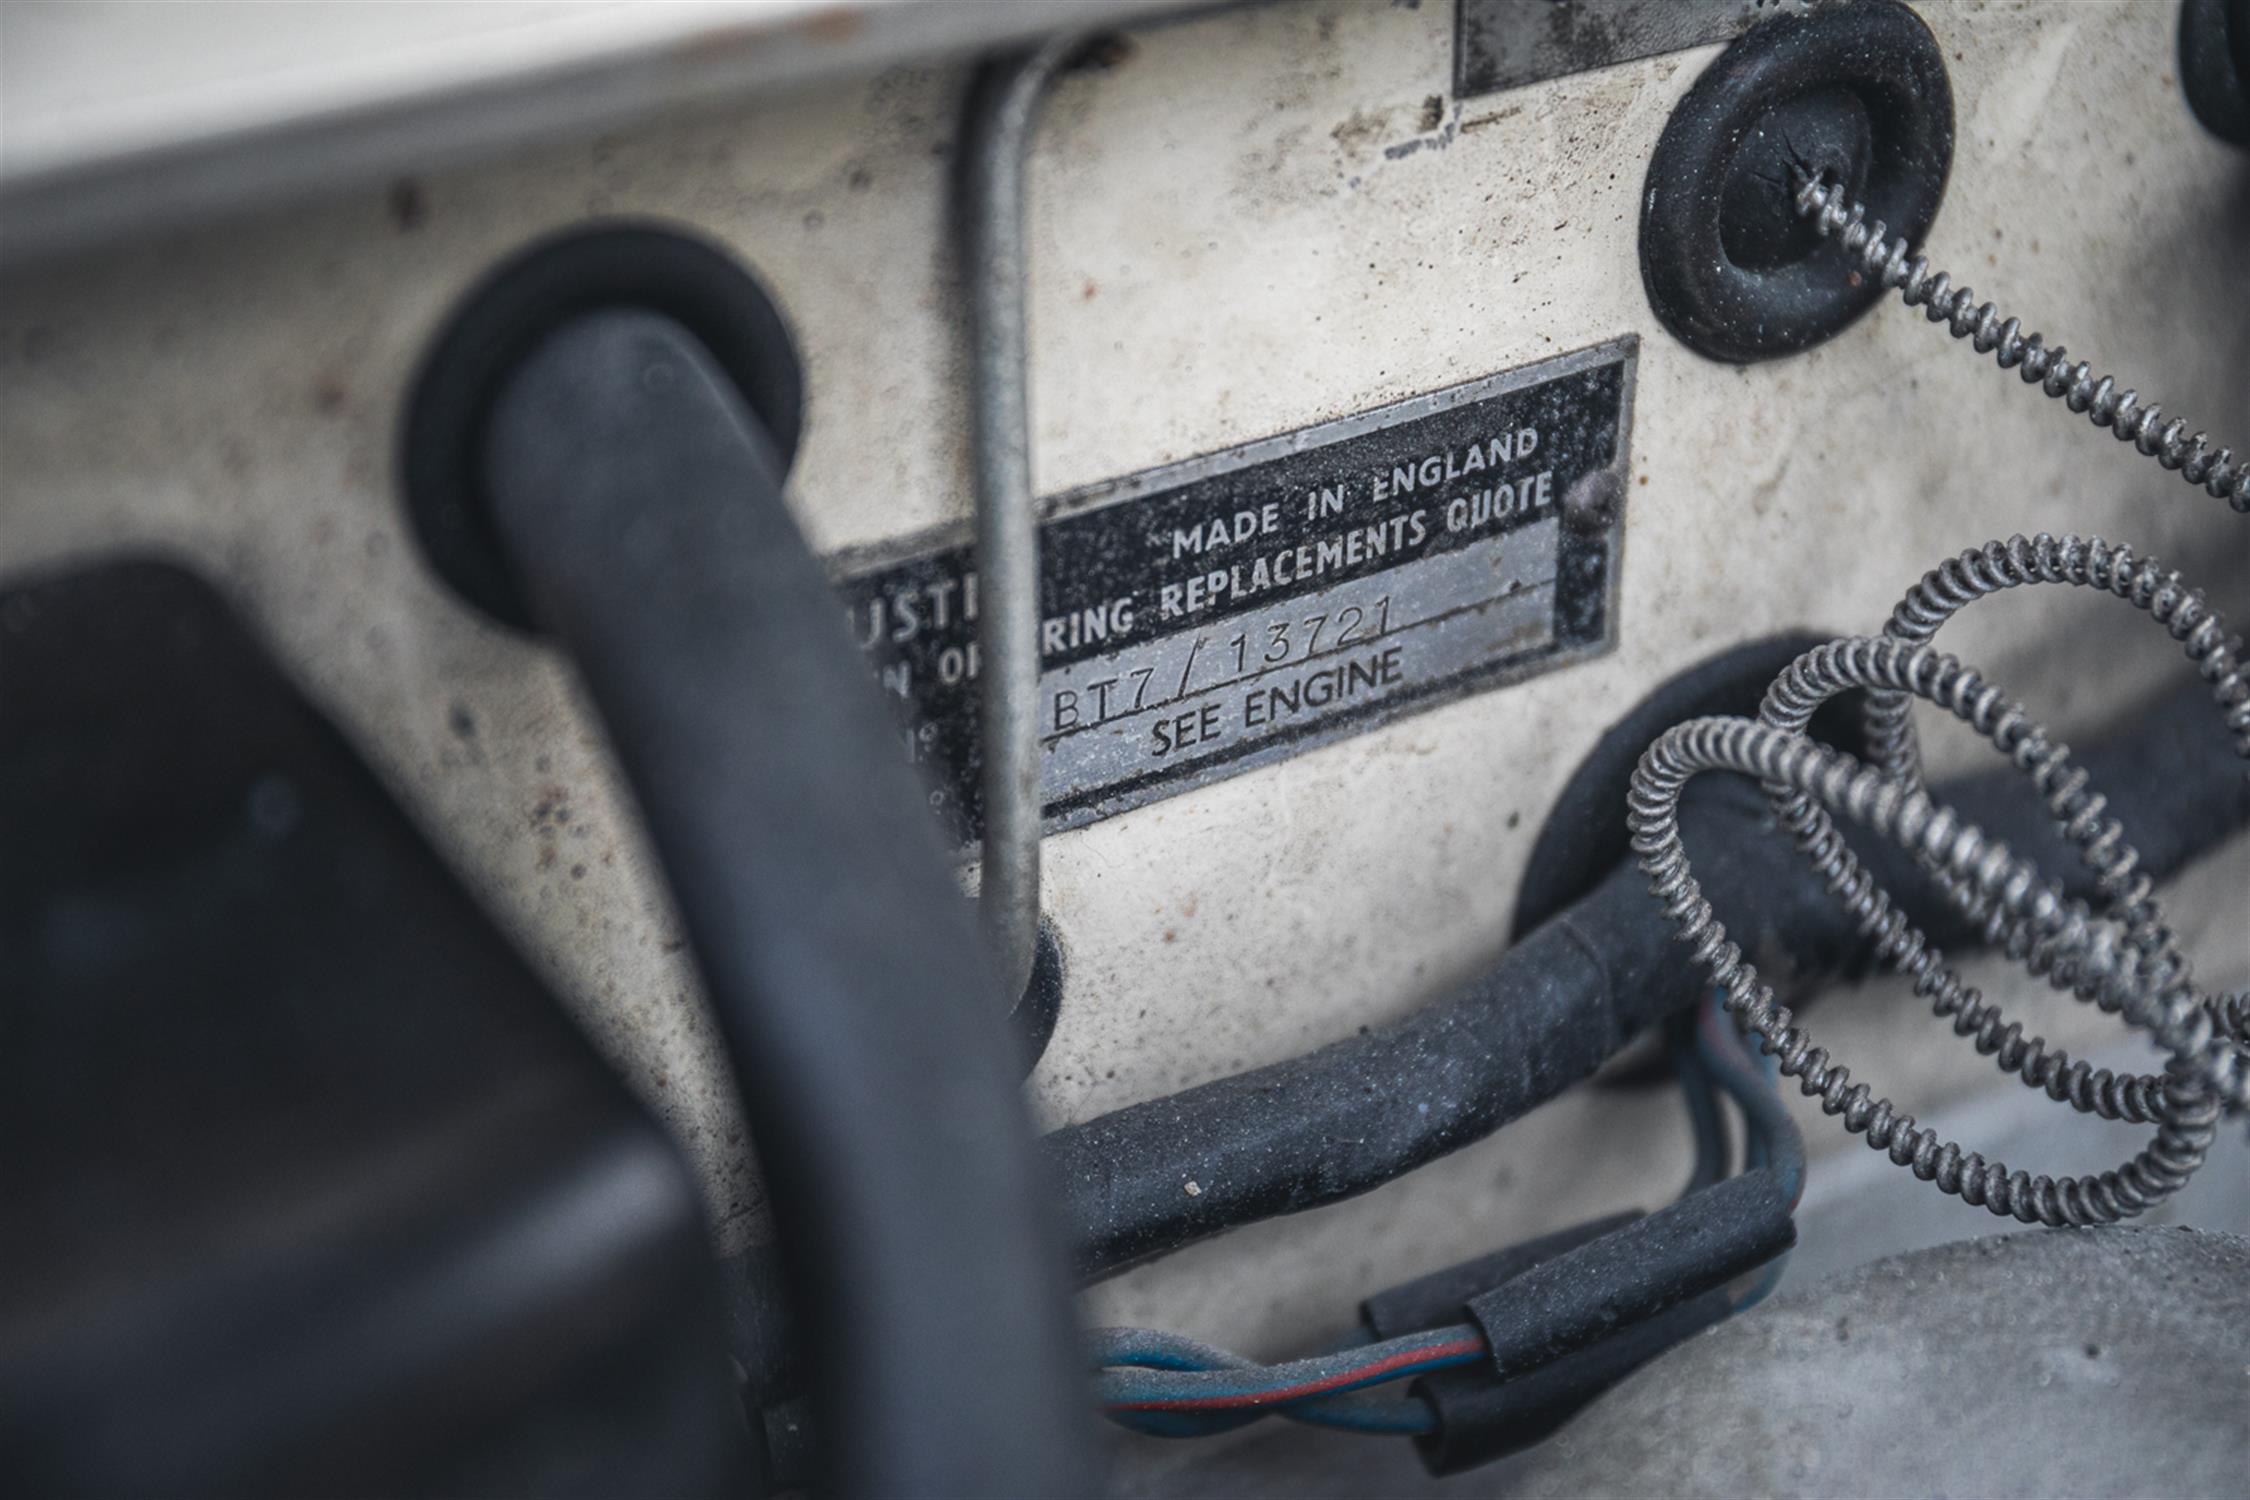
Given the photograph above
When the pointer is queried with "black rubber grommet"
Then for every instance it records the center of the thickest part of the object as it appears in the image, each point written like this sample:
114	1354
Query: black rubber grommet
2215	66
1857	93
603	265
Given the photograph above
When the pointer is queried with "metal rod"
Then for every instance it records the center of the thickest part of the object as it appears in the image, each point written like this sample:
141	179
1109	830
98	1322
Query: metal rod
1004	102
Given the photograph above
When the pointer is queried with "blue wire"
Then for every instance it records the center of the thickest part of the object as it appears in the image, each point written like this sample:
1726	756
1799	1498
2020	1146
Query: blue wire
1128	1380
1774	1141
1120	1350
1370	1415
1705	1122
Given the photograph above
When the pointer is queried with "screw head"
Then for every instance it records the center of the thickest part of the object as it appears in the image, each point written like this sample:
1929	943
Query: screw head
1592	500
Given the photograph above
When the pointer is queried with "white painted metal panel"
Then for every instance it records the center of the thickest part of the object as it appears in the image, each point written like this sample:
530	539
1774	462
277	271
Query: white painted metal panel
1258	220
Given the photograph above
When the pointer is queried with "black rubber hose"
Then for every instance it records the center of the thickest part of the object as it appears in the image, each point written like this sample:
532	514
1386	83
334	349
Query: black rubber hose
1353	1116
1481	1417
1649	1266
1442	1297
640	506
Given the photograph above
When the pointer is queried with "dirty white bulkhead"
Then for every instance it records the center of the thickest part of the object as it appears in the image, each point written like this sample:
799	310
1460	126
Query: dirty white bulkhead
1251	221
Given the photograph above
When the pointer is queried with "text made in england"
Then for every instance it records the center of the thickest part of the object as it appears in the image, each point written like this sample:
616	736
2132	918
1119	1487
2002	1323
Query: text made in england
1465	496
1411	476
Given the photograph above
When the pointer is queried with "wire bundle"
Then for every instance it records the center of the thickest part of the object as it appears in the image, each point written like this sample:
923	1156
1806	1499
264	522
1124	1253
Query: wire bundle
1168	1385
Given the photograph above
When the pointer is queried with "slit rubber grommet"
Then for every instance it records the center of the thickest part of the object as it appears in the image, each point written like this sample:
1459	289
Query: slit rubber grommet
1855	93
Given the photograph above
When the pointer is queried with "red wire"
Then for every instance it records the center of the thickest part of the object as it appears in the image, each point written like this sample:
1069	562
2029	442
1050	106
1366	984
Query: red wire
1350	1376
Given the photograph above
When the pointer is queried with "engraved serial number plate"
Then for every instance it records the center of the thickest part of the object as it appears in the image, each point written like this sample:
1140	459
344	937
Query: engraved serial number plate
1224	612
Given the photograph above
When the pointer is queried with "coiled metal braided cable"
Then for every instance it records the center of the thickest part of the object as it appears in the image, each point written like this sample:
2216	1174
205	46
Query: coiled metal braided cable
2087	562
1900	946
1887	259
2097	957
1789	705
2078	810
2145	583
1894	810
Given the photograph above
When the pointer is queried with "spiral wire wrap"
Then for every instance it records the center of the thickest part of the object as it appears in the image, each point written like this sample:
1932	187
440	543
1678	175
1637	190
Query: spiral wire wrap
2120	957
1887	259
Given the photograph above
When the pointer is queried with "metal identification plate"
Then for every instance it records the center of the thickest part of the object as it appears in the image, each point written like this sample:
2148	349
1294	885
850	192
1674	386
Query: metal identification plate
1505	44
1231	610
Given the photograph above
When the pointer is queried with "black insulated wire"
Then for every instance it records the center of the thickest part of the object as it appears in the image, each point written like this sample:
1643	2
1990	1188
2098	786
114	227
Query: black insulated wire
1443	1296
1478	1417
1569	1314
1635	1272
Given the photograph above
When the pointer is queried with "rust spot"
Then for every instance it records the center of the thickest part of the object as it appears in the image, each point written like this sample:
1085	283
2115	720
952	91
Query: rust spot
1089	291
837	25
552	809
1109	50
721	39
1361	128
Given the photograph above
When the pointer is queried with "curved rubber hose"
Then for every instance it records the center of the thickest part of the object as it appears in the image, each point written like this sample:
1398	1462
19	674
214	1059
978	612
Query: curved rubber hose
639	503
